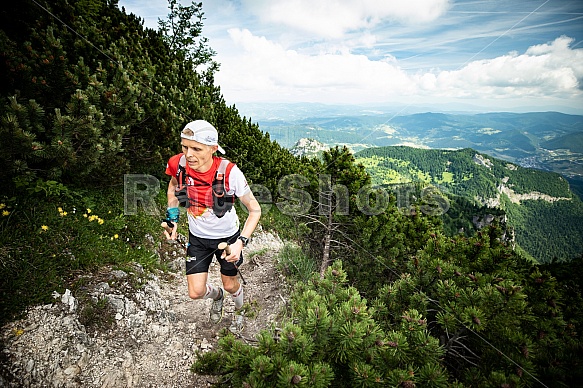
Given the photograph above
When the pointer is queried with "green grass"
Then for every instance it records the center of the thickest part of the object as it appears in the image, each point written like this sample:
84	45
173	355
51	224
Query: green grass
446	177
96	314
295	264
48	239
291	260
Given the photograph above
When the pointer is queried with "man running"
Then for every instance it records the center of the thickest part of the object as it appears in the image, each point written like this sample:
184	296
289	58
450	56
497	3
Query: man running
211	217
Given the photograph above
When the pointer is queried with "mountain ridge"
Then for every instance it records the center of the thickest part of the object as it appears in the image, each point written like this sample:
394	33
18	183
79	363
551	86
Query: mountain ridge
540	205
551	141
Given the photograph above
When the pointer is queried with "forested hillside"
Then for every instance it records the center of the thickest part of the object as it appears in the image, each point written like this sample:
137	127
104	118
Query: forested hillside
378	296
545	215
89	95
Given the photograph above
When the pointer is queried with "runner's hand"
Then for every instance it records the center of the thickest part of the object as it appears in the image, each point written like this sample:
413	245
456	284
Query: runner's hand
170	229
236	249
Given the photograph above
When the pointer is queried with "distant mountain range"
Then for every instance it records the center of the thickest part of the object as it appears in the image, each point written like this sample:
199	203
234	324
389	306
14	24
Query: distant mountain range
544	140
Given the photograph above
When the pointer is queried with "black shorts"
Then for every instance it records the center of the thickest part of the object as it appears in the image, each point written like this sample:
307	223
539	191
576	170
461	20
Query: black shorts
200	254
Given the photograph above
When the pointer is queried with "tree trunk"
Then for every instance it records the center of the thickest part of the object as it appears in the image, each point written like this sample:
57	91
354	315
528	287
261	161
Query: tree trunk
326	250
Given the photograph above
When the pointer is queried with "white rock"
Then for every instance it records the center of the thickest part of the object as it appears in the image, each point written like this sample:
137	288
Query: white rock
69	300
129	360
117	302
102	287
204	345
72	371
113	379
83	361
29	366
119	274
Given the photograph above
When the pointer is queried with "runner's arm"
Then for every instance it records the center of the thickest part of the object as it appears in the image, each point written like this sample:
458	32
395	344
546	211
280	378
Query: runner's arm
172	200
171	233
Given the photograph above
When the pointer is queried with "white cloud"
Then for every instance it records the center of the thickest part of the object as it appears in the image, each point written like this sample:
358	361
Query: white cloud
332	18
543	70
263	70
342	51
268	68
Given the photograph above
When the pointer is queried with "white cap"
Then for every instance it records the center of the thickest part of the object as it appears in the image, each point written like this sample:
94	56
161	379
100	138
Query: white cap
203	132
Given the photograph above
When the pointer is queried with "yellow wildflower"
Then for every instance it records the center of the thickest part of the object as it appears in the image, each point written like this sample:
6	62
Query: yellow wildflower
5	213
115	235
2	206
60	209
88	210
63	214
44	227
18	332
100	221
85	215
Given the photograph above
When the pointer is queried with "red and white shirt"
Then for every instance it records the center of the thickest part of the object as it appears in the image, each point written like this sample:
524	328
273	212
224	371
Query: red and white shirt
202	222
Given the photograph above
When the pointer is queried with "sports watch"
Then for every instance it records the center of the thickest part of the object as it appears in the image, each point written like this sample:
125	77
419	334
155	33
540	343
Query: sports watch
244	239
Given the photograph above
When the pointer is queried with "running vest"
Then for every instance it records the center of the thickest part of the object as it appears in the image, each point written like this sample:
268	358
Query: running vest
222	202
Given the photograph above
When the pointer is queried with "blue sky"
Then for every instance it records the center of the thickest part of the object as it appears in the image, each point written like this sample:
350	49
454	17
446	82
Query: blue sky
493	55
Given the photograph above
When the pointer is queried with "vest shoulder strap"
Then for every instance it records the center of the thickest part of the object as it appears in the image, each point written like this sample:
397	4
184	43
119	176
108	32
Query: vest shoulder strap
223	166
181	171
223	172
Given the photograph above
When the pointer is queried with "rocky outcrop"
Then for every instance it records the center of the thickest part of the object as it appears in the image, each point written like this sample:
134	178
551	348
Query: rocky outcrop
482	221
51	347
504	188
488	202
482	161
307	147
533	196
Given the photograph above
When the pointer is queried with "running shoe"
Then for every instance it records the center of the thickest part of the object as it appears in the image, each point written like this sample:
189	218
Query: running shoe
216	313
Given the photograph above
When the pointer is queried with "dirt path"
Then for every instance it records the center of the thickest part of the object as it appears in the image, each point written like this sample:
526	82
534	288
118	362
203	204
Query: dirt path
148	332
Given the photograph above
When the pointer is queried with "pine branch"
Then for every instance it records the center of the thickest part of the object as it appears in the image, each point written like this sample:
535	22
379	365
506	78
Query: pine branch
458	344
457	355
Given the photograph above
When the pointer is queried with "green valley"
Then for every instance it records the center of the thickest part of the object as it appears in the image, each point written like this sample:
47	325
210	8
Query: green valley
546	216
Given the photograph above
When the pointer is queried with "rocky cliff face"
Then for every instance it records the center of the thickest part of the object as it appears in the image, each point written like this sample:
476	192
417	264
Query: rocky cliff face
535	195
308	147
482	161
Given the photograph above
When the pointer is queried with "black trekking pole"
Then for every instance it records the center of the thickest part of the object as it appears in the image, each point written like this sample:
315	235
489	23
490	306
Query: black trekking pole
225	247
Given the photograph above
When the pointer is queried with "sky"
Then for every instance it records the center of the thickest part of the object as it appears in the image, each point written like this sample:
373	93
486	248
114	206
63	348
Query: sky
512	55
